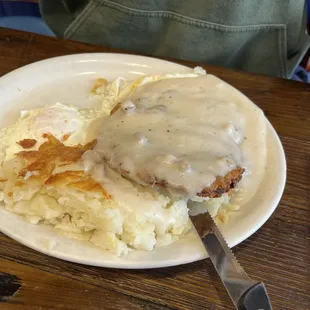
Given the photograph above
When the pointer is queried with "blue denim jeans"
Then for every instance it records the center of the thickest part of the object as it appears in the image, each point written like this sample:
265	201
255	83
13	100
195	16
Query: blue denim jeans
23	16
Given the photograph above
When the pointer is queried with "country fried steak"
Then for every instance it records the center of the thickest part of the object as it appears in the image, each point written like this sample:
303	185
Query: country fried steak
222	184
172	134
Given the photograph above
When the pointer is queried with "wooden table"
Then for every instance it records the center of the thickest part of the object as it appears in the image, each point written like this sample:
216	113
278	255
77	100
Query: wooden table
277	254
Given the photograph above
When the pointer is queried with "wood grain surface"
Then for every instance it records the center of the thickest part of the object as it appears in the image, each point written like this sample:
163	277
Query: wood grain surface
278	254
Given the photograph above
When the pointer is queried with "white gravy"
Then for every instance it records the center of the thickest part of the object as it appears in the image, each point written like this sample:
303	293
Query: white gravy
185	132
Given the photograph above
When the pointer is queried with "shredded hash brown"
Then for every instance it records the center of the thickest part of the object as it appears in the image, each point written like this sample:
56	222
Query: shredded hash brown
41	164
77	179
27	143
51	153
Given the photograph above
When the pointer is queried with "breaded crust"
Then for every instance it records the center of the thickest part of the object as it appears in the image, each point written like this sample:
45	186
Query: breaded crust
220	186
223	185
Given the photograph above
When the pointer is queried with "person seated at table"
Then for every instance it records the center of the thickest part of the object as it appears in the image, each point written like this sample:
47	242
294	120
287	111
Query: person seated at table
261	36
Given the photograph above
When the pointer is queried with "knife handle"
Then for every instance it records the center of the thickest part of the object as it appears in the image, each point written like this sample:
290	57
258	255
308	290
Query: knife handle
255	298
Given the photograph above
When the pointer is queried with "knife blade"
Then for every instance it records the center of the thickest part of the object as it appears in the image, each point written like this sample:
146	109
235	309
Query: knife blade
245	293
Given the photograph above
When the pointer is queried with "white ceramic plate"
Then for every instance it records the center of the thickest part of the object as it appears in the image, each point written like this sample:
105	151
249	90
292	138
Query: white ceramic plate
69	79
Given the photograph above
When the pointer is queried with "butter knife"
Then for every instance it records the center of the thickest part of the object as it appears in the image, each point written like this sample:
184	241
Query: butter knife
245	293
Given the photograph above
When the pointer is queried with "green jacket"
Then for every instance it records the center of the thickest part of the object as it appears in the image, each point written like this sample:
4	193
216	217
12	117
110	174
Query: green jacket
262	36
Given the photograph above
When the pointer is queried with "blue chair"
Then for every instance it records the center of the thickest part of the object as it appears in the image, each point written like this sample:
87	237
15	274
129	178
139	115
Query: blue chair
23	16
